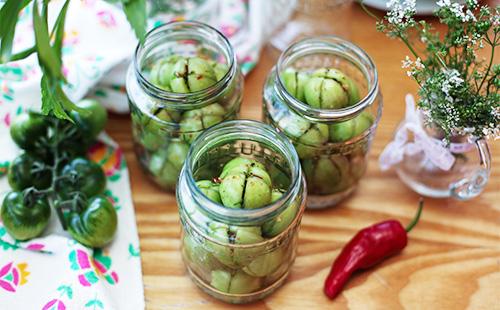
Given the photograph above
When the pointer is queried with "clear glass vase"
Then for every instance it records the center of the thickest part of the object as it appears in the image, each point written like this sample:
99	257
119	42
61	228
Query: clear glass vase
466	178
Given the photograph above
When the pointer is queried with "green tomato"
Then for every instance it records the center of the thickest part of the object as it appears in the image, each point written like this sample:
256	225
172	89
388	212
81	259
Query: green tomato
24	220
95	225
27	129
210	189
352	128
199	257
86	177
246	235
347	84
245	184
308	144
265	264
220	279
220	70
93	121
277	225
166	163
295	83
191	75
220	233
195	121
325	93
239	283
20	174
162	71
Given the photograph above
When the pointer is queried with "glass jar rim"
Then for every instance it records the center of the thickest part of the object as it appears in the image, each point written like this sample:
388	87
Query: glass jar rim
193	100
239	216
325	44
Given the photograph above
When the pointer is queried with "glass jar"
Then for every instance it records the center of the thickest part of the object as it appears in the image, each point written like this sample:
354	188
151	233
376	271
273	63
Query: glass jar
217	259
333	161
466	178
165	123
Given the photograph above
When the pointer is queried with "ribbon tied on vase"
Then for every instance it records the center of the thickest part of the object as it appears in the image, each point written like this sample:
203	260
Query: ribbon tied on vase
434	150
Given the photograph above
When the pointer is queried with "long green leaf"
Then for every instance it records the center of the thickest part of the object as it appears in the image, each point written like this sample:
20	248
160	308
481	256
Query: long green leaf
46	55
59	29
8	19
135	10
23	54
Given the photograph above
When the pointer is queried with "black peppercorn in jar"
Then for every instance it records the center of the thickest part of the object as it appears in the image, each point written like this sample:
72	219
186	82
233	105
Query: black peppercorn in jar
184	79
324	95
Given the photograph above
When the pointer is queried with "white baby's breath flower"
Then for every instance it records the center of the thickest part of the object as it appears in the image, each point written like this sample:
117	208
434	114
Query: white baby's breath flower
413	66
418	64
443	3
401	12
495	20
459	10
407	63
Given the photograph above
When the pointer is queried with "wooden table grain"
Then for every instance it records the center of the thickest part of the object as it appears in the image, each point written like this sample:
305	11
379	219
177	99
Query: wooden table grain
453	257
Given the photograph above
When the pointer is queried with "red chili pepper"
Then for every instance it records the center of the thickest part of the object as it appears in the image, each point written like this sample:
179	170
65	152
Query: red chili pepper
369	247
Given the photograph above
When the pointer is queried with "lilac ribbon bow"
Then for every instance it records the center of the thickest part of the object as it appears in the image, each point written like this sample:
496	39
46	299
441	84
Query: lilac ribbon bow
433	149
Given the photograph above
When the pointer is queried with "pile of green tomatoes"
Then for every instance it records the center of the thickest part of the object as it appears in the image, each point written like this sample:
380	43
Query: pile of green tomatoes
53	174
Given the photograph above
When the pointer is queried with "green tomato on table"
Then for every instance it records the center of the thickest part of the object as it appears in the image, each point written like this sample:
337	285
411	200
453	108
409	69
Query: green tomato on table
83	176
95	224
23	217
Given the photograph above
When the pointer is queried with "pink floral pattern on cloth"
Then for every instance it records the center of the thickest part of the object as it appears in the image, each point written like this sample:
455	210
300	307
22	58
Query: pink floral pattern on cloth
91	269
13	275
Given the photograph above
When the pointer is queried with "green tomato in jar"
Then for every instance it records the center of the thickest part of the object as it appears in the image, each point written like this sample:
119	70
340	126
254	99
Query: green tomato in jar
195	121
352	128
295	83
239	283
195	251
95	224
245	184
308	145
162	71
191	75
24	217
155	128
327	174
265	264
166	163
210	189
279	224
221	248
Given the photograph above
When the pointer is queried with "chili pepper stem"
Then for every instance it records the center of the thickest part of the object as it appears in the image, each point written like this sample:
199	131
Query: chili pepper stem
417	216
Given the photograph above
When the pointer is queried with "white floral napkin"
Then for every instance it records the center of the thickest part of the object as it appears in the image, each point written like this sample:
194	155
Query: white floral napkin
53	271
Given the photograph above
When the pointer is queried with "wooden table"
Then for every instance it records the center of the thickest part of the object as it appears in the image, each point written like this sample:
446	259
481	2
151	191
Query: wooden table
453	257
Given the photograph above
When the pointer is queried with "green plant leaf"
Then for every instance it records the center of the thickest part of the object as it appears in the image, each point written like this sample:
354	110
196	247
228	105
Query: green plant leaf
135	10
47	57
9	14
23	54
50	100
59	29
